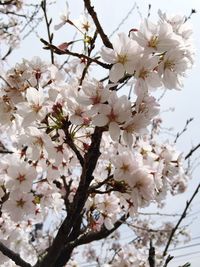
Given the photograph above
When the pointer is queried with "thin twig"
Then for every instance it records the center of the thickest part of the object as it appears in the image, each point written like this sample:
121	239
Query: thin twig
70	142
123	20
188	203
7	54
48	23
67	52
184	129
192	151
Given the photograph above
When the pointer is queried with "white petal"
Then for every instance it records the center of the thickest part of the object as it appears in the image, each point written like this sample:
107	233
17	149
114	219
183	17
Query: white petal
100	120
114	130
32	95
117	72
108	55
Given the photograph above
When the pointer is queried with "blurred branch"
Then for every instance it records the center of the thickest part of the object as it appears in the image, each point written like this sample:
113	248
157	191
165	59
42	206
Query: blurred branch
123	20
151	258
13	256
168	259
11	2
7	54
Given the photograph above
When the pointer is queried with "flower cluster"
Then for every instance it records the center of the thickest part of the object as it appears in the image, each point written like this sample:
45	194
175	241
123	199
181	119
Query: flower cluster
67	135
155	54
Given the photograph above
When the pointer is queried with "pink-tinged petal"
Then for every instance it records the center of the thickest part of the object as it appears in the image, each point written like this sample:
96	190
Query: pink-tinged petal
117	72
114	131
100	120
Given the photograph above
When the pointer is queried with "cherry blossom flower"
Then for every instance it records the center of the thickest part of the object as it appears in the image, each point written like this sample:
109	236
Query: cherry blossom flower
172	69
21	175
155	37
93	93
146	75
115	113
34	109
19	205
123	56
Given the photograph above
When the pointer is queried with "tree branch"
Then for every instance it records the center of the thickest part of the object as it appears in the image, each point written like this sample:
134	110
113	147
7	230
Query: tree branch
13	256
93	14
192	151
168	259
188	203
103	233
69	141
48	23
183	130
58	51
151	257
75	213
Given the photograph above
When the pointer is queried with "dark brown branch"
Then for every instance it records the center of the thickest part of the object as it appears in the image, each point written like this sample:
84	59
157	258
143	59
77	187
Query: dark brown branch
93	14
168	259
71	224
7	54
11	2
188	203
151	258
98	185
103	233
6	12
5	152
58	51
69	141
13	256
85	239
192	151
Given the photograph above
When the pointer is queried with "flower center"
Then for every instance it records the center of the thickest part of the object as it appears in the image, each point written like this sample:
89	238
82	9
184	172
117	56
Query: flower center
169	65
153	42
21	178
20	203
122	59
143	74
